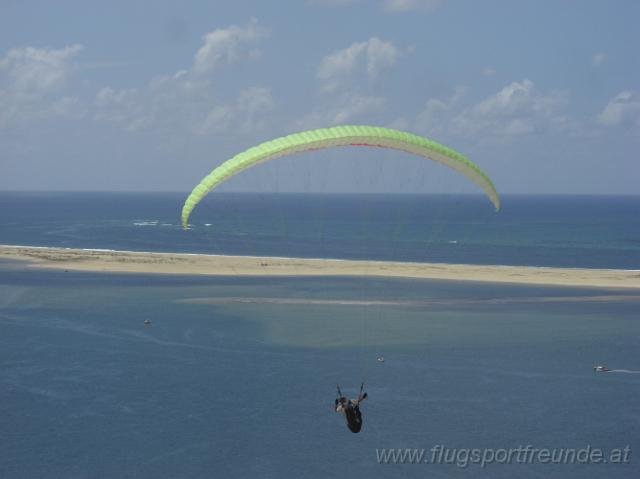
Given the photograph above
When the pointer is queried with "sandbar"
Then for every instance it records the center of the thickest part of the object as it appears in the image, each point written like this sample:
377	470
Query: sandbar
98	260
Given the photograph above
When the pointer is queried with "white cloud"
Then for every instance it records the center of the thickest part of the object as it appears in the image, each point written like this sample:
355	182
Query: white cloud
187	100
347	80
516	110
437	113
225	45
380	56
123	107
38	71
623	109
598	59
370	58
31	81
347	108
342	63
404	6
355	106
245	114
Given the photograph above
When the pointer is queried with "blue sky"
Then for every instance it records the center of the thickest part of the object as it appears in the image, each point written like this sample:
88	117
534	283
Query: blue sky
543	95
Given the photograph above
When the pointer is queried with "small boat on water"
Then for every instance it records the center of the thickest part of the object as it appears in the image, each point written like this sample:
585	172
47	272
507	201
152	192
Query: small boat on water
380	359
147	321
601	369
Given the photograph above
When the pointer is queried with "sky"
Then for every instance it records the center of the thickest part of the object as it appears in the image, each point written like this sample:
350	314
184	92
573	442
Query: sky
150	96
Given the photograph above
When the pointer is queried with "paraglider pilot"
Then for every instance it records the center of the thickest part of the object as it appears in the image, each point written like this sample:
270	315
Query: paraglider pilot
351	409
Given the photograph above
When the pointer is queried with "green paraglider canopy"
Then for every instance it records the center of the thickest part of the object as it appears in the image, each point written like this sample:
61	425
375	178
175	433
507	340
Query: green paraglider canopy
348	135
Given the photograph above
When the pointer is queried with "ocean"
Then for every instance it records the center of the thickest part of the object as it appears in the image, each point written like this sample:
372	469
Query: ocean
562	231
235	377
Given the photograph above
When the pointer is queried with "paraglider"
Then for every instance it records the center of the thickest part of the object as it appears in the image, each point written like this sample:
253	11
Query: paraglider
348	135
351	409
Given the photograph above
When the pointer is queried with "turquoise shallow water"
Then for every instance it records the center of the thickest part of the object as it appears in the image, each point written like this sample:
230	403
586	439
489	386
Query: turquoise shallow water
241	384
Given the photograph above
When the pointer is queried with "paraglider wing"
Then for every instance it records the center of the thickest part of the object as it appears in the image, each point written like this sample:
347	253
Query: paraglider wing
349	135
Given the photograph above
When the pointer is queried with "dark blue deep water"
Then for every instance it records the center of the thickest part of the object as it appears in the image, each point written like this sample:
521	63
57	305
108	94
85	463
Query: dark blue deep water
235	377
571	231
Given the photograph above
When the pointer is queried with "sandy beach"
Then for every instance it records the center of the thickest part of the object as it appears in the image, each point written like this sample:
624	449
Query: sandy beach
200	264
